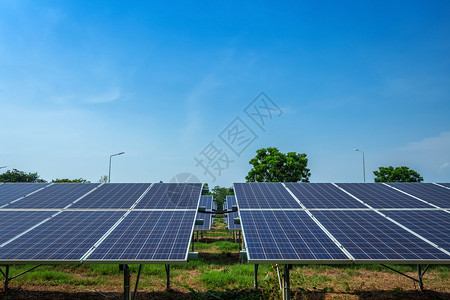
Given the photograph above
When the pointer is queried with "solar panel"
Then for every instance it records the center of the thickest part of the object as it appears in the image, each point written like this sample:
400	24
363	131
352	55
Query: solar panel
434	225
16	222
13	191
57	195
205	201
113	195
264	195
322	195
445	184
171	196
65	237
370	237
379	195
231	200
148	236
429	192
287	237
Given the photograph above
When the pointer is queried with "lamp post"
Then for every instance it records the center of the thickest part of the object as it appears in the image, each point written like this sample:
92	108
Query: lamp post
364	164
109	174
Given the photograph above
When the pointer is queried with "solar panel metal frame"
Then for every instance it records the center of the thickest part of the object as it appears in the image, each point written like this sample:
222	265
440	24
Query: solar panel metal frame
304	192
251	260
87	260
35	188
121	211
377	191
427	192
56	260
390	261
281	197
371	261
53	191
420	222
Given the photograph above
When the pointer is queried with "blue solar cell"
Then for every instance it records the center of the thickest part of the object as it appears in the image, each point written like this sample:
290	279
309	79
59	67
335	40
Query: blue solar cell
207	220
231	200
13	191
379	195
429	192
16	222
205	201
57	195
322	195
263	195
277	236
367	235
113	195
434	225
171	196
148	235
67	236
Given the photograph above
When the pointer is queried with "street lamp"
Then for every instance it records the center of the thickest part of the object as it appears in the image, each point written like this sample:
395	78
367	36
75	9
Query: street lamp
109	174
364	164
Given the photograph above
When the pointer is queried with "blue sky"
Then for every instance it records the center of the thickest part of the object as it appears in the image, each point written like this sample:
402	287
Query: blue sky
81	80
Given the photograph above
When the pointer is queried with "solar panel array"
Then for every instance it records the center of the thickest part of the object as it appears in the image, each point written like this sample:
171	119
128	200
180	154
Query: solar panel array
335	223
207	202
231	201
97	223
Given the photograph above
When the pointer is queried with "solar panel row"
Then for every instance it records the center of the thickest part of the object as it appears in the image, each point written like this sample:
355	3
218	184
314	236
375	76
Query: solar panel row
392	234
341	195
160	233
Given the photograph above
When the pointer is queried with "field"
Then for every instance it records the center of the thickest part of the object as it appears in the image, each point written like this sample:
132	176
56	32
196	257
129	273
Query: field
218	274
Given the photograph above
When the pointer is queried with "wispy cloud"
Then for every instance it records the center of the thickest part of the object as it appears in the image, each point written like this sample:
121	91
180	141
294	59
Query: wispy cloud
107	96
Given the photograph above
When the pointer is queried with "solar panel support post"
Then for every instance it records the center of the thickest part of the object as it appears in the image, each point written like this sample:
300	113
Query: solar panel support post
239	240
256	276
6	277
126	282
168	276
287	288
137	282
419	271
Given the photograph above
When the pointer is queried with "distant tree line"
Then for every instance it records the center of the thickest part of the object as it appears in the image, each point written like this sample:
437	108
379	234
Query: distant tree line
21	176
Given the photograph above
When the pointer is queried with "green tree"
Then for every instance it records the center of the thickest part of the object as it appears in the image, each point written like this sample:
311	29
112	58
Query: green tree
220	194
271	165
65	180
19	176
399	174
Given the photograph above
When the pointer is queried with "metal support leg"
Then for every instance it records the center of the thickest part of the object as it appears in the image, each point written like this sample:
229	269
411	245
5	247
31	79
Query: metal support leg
256	276
287	288
6	278
137	282
168	276
201	235
193	241
197	236
419	271
126	282
239	240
